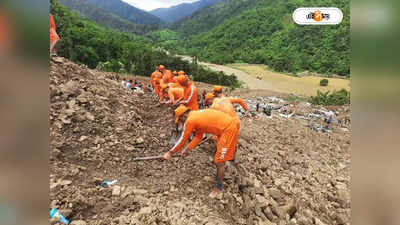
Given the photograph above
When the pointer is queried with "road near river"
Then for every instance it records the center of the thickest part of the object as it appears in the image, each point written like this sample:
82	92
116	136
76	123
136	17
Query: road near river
259	77
250	82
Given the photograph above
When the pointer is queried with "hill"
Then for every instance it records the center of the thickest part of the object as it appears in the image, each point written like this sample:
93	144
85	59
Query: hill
263	32
178	12
126	11
209	17
108	19
87	43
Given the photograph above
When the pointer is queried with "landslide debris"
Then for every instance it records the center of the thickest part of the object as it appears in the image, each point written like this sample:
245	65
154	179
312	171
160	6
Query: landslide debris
285	172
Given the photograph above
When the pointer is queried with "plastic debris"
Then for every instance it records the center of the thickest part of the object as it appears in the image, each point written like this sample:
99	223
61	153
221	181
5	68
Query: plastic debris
55	214
107	183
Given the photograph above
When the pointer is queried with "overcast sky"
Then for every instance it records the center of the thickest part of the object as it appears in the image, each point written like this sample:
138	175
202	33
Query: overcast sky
154	4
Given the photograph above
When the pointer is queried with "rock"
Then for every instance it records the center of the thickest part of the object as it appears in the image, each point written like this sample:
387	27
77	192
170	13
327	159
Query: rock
78	222
70	88
124	220
290	208
116	190
58	59
277	210
275	194
145	211
89	116
139	191
83	138
341	219
318	221
139	140
343	198
180	204
268	213
65	182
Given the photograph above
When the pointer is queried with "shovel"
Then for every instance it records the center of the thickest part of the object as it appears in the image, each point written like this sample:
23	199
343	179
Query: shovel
174	136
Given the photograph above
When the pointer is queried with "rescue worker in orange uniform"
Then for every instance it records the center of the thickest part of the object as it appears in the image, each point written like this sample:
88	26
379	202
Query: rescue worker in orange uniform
163	91
54	38
189	93
175	83
154	75
225	104
175	94
157	88
207	121
166	74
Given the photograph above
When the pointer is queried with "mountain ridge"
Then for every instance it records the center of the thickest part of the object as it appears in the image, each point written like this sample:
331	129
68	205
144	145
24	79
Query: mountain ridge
178	12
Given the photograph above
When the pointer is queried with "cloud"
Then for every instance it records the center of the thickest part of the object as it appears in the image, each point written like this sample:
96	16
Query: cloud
154	4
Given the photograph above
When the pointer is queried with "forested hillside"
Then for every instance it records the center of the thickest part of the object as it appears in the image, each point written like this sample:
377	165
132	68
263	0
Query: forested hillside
266	34
85	42
175	13
107	19
208	17
127	11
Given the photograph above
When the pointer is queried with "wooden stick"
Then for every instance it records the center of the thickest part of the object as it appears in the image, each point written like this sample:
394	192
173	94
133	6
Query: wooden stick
160	156
148	158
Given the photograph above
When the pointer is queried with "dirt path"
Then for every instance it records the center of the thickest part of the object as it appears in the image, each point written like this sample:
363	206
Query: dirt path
250	82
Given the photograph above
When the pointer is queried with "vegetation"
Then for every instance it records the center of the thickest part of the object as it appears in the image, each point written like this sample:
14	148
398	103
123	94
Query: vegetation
106	18
209	17
263	32
324	82
180	11
126	11
84	42
341	97
166	39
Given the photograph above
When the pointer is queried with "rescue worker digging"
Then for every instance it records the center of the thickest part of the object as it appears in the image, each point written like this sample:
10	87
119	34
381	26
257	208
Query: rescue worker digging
208	121
190	92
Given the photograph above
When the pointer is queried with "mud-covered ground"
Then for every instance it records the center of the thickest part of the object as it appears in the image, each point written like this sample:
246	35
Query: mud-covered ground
285	173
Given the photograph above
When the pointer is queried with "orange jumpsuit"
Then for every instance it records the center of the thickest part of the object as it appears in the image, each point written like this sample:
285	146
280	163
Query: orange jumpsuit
168	76
175	94
157	87
214	122
225	105
54	38
161	83
190	96
154	75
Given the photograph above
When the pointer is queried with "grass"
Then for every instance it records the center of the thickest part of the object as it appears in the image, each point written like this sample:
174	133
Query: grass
307	86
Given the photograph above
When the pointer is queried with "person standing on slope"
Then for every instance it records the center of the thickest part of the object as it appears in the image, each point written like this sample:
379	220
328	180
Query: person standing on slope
189	93
207	121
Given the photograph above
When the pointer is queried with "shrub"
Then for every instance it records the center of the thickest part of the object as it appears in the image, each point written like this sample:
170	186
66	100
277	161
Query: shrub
324	82
341	97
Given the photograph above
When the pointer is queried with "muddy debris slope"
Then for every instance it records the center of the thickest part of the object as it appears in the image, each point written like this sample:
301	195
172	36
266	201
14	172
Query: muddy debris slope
285	174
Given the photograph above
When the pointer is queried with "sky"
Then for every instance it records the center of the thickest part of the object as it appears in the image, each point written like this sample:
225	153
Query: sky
148	5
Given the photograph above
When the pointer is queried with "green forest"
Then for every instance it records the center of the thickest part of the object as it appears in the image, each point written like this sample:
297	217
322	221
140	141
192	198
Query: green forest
88	43
264	33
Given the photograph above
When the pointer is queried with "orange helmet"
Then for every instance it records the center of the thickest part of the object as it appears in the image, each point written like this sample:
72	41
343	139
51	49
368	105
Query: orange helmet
208	96
182	79
217	88
179	112
175	73
161	67
181	73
